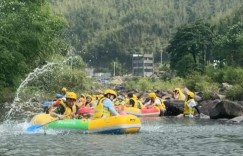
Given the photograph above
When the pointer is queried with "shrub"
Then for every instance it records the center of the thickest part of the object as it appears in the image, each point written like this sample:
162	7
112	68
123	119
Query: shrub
201	83
235	93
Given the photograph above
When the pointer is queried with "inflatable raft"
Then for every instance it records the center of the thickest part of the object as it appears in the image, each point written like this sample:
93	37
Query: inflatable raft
121	124
147	111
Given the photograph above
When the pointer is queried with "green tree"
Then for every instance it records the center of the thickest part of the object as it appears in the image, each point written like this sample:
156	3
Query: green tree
29	34
191	41
228	46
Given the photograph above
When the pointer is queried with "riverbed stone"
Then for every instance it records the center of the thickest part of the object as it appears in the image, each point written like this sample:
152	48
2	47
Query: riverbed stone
237	119
173	107
226	109
207	105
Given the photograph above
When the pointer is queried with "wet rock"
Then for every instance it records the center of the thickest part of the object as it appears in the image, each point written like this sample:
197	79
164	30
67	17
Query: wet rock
203	116
237	119
226	109
206	106
173	107
197	97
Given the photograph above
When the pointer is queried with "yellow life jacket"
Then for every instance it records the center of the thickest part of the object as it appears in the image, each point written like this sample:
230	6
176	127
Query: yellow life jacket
180	96
161	105
188	110
100	111
135	102
140	104
127	102
68	110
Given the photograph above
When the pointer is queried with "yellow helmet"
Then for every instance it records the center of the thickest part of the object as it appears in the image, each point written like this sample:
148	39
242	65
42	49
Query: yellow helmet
152	95
177	89
110	91
64	89
89	96
191	94
71	95
134	96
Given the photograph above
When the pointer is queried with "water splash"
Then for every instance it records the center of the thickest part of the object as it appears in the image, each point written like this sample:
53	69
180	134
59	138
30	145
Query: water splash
19	107
16	106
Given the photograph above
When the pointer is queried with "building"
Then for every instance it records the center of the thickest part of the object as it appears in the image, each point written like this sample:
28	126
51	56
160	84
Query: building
143	64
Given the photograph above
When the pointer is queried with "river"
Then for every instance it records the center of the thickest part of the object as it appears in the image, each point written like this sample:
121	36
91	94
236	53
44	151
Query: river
158	136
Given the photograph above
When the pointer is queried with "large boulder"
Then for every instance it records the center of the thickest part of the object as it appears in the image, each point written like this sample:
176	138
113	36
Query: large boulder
206	106
226	109
173	107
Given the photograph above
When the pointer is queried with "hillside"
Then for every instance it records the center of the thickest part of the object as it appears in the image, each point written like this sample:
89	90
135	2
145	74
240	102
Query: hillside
111	30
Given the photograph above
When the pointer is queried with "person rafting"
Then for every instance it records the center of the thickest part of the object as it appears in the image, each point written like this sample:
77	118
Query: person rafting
90	102
64	92
81	101
178	95
132	100
86	110
155	101
66	109
105	107
190	106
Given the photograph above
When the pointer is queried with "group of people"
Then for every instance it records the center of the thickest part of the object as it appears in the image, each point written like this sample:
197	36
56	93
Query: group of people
190	105
67	106
110	104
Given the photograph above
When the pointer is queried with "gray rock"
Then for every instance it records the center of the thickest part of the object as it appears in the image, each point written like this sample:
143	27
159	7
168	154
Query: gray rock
237	119
226	109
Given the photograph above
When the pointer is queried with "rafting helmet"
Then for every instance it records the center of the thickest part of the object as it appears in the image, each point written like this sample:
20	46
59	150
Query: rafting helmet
178	90
191	94
64	89
152	95
110	91
71	95
89	96
134	96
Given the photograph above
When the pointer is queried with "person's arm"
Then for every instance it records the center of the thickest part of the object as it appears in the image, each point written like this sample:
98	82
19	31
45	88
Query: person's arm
108	104
113	111
192	104
58	112
157	102
147	103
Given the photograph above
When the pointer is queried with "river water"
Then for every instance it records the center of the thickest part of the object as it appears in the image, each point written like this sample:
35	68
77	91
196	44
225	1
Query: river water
158	136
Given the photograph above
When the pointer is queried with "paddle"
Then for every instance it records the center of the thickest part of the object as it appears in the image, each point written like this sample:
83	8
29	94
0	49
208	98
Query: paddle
34	128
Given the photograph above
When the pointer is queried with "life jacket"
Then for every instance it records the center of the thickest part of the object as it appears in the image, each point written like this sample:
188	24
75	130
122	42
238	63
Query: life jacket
161	105
68	110
180	96
127	102
135	102
100	111
188	110
81	102
140	104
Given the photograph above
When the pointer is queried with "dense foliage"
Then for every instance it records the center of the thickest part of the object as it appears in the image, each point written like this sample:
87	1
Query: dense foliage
191	34
29	33
111	30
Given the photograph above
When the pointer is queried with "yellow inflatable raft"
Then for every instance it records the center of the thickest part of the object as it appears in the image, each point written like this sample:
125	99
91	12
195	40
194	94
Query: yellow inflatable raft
121	124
